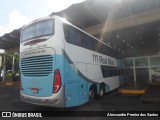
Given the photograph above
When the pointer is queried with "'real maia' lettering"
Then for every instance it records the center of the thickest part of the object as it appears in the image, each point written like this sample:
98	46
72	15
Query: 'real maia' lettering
102	60
111	62
99	59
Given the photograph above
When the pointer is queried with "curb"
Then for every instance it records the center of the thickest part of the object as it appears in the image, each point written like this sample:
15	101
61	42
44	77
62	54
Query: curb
10	83
133	91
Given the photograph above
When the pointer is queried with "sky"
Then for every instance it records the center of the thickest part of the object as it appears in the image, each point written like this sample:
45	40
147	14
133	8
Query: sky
15	13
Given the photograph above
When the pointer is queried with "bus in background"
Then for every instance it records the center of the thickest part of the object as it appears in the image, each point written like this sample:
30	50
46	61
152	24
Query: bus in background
63	66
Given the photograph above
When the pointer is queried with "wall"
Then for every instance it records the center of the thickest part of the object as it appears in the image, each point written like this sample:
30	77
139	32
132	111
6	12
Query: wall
144	69
0	61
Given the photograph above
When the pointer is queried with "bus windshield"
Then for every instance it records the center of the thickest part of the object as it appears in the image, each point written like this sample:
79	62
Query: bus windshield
38	29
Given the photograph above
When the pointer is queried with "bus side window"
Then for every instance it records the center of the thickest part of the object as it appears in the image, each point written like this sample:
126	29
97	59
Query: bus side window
66	32
110	72
74	37
107	71
95	45
83	40
71	35
101	48
90	43
115	72
67	36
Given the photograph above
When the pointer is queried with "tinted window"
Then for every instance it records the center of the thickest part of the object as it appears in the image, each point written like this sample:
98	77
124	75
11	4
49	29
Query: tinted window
77	37
71	35
109	71
38	29
83	38
90	45
74	37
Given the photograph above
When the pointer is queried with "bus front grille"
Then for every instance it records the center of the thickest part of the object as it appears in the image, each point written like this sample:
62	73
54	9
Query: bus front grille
37	66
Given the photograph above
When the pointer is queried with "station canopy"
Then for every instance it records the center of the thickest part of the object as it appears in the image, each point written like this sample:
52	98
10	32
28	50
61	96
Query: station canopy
130	26
10	40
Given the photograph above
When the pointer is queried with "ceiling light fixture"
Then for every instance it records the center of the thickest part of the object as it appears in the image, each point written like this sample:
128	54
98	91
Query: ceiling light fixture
123	40
117	36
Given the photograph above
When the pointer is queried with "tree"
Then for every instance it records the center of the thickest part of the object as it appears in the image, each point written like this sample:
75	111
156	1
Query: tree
9	59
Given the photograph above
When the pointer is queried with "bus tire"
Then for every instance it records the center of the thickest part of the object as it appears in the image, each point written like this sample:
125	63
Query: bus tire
92	93
101	90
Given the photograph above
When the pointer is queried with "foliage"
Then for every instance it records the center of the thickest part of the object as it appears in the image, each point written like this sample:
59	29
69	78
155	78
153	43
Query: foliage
9	59
8	76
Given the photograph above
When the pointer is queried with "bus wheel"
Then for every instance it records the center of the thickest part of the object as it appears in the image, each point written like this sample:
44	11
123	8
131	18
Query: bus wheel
101	90
92	93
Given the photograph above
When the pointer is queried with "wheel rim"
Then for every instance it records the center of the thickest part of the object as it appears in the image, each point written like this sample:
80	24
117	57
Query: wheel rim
91	93
101	92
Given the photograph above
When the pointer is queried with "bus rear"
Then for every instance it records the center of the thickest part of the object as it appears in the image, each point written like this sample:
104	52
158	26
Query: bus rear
41	62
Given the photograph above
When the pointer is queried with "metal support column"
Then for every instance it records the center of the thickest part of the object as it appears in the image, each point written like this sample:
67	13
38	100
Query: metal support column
134	71
149	70
4	66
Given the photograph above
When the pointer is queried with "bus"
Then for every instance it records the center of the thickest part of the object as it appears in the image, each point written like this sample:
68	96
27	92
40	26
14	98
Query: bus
63	66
